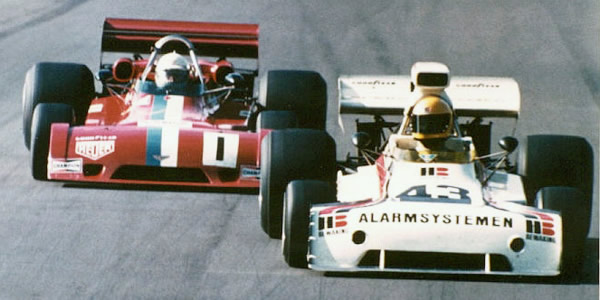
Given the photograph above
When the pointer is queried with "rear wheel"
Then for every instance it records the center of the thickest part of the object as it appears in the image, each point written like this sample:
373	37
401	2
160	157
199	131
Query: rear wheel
303	92
287	155
557	160
571	204
44	115
66	83
299	196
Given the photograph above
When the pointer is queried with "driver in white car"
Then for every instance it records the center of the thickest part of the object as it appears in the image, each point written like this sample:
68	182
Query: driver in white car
429	134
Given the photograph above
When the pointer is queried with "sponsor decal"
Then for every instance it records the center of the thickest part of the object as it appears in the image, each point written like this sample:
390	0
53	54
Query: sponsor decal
478	85
439	171
70	165
95	108
250	173
332	224
540	227
95	147
374	82
431	218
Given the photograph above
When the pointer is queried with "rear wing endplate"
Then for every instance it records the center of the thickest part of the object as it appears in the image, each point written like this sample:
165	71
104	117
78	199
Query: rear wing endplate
390	95
209	39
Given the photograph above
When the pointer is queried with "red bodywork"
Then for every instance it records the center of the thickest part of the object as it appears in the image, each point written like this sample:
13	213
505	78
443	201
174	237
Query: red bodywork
138	137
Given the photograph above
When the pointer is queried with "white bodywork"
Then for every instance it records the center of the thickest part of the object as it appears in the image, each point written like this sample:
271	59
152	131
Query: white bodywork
414	212
433	221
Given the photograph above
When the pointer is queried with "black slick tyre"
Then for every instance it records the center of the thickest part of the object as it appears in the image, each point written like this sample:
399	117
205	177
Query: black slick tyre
287	155
570	203
303	92
48	82
44	115
299	196
557	160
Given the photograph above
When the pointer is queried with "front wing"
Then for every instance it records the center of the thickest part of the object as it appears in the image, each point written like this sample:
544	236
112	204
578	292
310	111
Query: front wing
434	238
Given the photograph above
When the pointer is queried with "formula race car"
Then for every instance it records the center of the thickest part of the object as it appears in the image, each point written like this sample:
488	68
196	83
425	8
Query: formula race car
425	194
182	116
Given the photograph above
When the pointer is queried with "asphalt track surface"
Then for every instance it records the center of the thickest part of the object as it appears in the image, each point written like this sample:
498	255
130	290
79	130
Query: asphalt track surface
61	241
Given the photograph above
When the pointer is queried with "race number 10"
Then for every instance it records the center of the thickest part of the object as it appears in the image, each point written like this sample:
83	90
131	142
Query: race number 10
220	149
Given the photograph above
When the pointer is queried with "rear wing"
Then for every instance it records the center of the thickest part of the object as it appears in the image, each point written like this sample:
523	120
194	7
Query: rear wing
209	39
389	95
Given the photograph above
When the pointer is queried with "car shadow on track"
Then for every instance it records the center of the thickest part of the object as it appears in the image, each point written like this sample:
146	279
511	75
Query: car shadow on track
161	188
587	275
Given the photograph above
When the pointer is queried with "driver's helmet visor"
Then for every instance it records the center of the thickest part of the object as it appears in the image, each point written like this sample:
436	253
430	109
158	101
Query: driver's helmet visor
430	124
175	75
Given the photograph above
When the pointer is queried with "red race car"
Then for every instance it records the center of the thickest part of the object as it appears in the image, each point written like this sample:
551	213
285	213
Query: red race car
184	115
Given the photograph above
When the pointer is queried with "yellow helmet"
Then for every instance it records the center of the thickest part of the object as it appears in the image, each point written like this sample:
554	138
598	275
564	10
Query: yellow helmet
431	118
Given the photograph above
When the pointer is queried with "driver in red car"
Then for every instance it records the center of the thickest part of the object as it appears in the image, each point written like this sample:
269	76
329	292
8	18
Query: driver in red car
172	74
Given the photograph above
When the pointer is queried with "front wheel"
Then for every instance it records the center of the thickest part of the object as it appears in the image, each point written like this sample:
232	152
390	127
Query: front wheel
44	115
571	204
557	160
299	196
66	83
287	155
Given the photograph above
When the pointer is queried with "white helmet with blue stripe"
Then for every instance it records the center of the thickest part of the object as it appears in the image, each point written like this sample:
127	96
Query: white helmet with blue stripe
172	70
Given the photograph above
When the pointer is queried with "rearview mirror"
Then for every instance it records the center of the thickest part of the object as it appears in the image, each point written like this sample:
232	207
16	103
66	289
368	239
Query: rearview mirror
104	75
361	140
234	79
508	143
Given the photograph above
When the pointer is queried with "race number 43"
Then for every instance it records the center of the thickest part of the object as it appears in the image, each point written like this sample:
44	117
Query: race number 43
439	193
220	149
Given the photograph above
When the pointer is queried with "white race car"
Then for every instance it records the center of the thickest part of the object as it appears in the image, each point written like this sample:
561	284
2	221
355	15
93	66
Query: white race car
408	204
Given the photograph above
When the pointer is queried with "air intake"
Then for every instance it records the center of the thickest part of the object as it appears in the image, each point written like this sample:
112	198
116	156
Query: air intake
435	261
152	173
